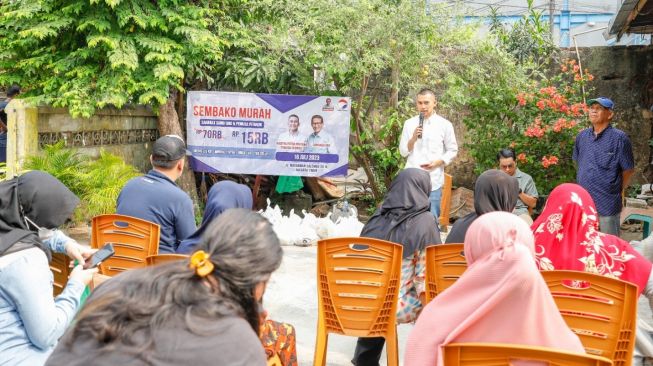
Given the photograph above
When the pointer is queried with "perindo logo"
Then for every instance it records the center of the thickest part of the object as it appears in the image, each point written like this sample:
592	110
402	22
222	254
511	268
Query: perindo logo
343	105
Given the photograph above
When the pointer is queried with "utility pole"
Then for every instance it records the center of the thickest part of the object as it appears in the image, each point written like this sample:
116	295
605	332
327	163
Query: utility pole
552	9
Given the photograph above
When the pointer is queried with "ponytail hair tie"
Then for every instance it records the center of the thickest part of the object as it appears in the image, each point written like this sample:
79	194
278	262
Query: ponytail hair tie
201	263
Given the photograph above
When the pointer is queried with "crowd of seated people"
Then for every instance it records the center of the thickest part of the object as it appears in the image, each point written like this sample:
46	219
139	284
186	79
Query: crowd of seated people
208	308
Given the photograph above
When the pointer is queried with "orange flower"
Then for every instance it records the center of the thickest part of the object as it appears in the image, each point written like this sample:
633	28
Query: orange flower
534	131
577	77
551	90
521	99
564	68
548	161
521	158
577	109
541	104
576	68
590	77
560	124
564	109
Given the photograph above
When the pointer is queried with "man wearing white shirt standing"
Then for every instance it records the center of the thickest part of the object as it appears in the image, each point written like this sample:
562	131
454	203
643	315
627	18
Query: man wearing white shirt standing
430	146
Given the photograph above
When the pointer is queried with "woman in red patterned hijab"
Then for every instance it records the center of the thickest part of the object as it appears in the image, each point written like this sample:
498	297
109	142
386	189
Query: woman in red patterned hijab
567	238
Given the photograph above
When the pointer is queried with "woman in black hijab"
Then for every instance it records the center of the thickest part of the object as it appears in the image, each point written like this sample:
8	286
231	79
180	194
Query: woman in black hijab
32	206
494	191
404	218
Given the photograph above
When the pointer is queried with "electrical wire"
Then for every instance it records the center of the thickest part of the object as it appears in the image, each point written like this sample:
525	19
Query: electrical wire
586	8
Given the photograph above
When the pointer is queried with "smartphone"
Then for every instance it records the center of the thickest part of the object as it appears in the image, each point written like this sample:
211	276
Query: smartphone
100	256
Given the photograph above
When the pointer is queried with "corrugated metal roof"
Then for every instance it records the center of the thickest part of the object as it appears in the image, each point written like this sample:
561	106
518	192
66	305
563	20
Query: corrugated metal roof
633	16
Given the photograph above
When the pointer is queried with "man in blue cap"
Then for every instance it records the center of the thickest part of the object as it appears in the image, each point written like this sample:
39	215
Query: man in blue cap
605	163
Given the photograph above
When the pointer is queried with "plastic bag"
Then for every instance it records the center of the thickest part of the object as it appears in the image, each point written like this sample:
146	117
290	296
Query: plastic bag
286	184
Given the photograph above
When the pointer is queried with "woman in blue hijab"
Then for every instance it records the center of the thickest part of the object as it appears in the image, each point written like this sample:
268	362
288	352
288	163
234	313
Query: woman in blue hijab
222	196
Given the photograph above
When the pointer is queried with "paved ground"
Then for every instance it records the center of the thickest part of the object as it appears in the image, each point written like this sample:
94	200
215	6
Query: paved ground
291	297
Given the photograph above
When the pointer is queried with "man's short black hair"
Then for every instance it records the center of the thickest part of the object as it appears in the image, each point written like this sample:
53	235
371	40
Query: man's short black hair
506	153
426	91
13	91
293	115
317	116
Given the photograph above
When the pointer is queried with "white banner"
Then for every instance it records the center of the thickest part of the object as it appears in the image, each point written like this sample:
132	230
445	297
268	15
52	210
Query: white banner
268	134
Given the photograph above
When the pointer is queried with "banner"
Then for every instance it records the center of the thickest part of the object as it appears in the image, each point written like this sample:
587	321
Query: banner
268	134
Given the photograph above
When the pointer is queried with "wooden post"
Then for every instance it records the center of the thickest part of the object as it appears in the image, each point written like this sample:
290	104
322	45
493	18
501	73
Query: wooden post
257	187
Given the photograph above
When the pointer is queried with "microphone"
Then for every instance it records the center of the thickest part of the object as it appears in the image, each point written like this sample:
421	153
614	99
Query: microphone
421	123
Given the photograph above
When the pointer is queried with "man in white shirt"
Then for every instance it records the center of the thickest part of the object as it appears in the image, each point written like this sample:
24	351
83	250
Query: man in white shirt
429	147
319	141
291	141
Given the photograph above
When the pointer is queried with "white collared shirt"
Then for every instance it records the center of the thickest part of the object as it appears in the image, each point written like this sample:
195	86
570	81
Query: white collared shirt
321	143
438	142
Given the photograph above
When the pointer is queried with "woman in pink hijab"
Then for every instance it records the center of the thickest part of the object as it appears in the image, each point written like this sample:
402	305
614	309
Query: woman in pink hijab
500	298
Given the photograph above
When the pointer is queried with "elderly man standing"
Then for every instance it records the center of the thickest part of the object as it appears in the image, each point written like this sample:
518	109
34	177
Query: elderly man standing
527	190
429	143
155	197
605	163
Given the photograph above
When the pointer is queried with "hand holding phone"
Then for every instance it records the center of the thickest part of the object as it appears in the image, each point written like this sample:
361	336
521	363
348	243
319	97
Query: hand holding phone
82	275
100	256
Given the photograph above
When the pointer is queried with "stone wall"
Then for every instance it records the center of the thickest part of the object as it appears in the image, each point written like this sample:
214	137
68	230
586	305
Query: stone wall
128	132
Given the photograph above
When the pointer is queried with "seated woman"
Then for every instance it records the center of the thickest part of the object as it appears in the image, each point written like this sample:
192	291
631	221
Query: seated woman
278	338
494	190
404	218
203	311
567	237
222	196
500	298
32	206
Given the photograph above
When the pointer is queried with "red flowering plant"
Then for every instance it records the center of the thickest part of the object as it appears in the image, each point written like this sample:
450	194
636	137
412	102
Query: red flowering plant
540	122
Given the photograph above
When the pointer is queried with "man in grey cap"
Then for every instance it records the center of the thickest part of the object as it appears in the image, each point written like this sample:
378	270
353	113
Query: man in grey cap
155	196
604	162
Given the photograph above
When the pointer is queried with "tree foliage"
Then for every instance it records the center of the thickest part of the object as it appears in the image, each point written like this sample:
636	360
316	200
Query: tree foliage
381	53
84	55
538	113
528	40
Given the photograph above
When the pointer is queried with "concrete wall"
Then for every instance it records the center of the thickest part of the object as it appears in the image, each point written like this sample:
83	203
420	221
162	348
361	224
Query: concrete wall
625	74
128	133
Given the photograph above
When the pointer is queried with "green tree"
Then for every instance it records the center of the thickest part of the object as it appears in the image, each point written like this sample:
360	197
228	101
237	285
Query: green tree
381	53
88	54
84	55
528	40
